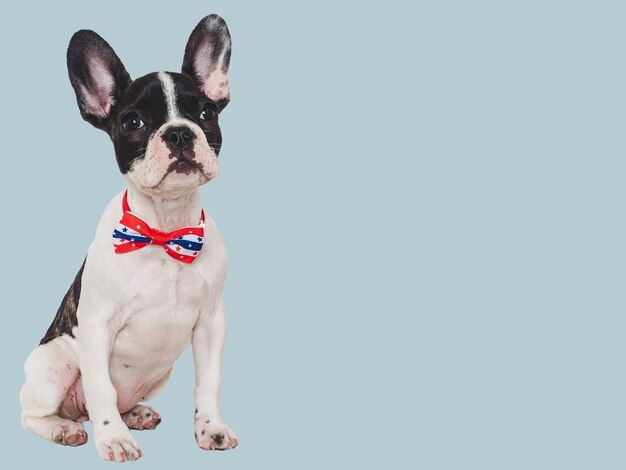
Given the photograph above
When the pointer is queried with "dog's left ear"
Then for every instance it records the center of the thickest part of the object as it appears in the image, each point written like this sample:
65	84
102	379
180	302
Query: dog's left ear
207	57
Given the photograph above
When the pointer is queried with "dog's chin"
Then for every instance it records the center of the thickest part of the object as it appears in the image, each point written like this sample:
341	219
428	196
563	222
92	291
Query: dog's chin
177	181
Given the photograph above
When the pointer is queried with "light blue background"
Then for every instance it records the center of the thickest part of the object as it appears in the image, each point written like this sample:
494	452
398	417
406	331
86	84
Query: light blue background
423	204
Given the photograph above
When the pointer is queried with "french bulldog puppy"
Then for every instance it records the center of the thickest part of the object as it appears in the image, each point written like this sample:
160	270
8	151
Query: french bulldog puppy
153	278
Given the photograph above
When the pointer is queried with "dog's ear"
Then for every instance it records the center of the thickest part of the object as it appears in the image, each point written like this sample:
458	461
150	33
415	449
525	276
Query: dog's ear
207	57
97	76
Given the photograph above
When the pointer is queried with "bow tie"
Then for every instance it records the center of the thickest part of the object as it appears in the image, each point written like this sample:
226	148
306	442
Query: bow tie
133	233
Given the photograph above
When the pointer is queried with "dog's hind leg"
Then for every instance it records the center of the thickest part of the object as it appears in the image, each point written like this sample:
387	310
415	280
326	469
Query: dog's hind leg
145	417
50	374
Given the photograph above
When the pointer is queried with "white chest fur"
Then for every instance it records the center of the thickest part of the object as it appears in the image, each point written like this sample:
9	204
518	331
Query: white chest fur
156	321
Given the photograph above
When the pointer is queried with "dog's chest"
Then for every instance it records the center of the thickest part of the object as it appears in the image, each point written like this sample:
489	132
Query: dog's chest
157	319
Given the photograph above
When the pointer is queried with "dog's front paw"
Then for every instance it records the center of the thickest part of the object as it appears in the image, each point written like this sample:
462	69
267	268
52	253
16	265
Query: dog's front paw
114	442
214	435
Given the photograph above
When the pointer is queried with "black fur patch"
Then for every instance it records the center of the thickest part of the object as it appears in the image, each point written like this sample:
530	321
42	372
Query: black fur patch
145	98
218	438
65	318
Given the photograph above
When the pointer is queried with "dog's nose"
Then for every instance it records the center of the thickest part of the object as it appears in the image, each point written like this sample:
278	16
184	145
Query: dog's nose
180	137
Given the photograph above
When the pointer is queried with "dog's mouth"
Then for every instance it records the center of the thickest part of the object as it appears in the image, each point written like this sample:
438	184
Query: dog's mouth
183	165
184	162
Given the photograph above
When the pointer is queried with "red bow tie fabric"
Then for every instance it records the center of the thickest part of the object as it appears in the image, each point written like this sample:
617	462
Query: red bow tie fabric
133	233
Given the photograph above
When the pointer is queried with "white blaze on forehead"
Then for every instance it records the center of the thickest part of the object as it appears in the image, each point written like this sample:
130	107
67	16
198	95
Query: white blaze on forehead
170	95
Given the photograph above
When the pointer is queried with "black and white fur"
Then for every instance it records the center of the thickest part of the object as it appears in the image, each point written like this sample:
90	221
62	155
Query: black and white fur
127	317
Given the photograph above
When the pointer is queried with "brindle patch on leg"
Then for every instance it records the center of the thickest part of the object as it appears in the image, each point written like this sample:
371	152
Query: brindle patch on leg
141	417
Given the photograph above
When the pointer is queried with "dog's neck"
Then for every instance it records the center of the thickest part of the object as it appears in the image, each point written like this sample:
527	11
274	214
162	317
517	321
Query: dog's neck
166	212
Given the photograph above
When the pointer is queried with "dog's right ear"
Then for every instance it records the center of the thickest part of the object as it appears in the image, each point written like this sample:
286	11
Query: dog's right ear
97	76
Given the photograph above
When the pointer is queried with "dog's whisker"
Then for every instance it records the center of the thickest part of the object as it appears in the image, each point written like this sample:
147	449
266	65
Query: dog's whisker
139	150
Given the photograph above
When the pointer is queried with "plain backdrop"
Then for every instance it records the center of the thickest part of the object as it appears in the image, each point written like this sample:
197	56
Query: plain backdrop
423	204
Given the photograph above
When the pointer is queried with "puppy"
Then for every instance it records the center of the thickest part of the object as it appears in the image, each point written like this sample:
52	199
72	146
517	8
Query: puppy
152	281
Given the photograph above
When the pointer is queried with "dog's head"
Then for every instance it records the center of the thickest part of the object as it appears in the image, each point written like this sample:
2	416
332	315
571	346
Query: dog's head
164	126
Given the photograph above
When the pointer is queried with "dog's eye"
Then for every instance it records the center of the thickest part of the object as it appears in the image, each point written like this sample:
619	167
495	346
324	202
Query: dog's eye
207	113
132	122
